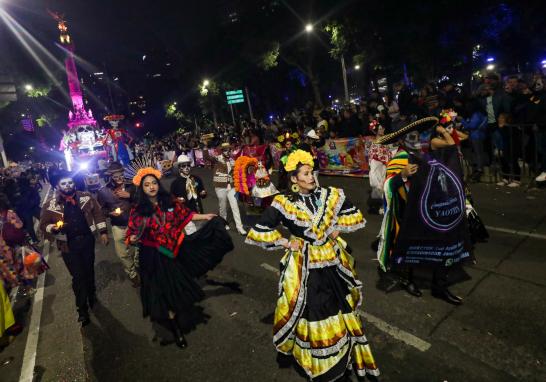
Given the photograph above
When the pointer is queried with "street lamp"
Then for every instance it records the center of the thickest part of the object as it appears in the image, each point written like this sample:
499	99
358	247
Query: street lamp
29	87
309	28
490	67
357	67
206	83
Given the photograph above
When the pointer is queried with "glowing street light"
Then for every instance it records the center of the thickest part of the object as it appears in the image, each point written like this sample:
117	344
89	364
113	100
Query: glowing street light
357	67
309	28
206	83
490	67
490	59
29	87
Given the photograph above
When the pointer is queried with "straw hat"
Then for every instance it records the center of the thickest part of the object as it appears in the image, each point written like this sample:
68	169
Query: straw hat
419	125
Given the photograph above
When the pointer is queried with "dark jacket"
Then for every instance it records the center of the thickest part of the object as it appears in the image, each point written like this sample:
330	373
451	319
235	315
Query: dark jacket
53	211
109	202
178	189
501	103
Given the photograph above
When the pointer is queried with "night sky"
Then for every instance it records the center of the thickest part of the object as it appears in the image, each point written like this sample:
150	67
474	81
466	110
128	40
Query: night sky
117	32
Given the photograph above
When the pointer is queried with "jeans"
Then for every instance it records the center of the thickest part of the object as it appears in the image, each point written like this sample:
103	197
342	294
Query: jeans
224	195
511	152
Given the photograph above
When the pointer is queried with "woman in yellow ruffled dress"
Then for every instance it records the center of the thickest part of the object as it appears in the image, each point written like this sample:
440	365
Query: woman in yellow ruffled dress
7	319
316	319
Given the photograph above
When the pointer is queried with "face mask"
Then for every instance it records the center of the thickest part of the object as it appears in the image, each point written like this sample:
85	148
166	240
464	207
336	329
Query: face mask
67	186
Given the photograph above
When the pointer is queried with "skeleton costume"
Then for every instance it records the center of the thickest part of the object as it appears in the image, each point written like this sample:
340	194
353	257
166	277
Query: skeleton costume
189	189
73	217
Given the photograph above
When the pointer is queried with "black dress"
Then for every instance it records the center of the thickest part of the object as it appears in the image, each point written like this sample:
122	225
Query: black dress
168	283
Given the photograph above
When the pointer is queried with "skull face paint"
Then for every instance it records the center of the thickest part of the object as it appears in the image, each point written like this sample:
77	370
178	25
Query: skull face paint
412	141
66	186
184	168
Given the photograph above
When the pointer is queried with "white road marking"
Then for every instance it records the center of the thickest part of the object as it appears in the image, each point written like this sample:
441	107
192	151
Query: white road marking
29	358
399	334
516	232
393	331
270	268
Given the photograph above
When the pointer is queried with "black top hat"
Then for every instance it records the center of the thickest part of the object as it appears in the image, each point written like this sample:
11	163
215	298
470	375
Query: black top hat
419	125
56	176
114	167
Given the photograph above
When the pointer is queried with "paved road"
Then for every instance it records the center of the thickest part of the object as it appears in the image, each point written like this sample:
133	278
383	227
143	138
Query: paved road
497	335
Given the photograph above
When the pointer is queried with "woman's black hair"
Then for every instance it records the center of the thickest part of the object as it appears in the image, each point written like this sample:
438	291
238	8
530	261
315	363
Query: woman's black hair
144	206
291	194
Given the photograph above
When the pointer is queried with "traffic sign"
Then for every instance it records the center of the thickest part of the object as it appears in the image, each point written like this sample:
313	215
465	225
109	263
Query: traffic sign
235	96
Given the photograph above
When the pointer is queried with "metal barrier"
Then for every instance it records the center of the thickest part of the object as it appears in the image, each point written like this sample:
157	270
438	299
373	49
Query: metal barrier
515	150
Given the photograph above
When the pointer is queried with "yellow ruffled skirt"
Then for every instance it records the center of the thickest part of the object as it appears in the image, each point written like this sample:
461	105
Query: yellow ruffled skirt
316	319
6	314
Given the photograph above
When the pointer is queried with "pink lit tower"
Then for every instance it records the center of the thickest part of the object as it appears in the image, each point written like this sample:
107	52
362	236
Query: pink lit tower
78	116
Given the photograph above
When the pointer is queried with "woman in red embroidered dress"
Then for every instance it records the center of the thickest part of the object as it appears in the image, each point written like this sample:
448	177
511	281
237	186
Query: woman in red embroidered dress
169	260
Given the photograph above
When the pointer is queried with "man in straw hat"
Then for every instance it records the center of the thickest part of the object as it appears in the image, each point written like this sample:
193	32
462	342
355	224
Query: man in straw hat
223	185
115	201
424	222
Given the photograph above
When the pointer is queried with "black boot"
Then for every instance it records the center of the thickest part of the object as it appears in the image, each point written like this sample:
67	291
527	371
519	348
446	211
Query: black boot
412	289
83	317
179	338
410	286
446	295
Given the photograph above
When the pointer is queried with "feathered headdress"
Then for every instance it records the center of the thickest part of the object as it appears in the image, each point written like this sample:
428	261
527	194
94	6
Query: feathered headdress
141	167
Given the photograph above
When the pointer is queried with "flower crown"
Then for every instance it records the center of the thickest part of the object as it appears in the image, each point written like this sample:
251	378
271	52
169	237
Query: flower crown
447	116
374	125
297	157
143	172
288	137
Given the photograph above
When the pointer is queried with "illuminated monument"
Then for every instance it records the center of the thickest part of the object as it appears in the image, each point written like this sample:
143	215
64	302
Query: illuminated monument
84	139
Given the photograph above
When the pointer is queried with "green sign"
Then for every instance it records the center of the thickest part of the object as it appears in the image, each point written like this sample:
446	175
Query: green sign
235	96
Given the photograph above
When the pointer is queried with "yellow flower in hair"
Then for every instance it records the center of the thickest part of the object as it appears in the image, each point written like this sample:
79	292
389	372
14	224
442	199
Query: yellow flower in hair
143	172
297	157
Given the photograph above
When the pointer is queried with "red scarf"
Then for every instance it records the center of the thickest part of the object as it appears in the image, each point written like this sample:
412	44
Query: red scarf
69	199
